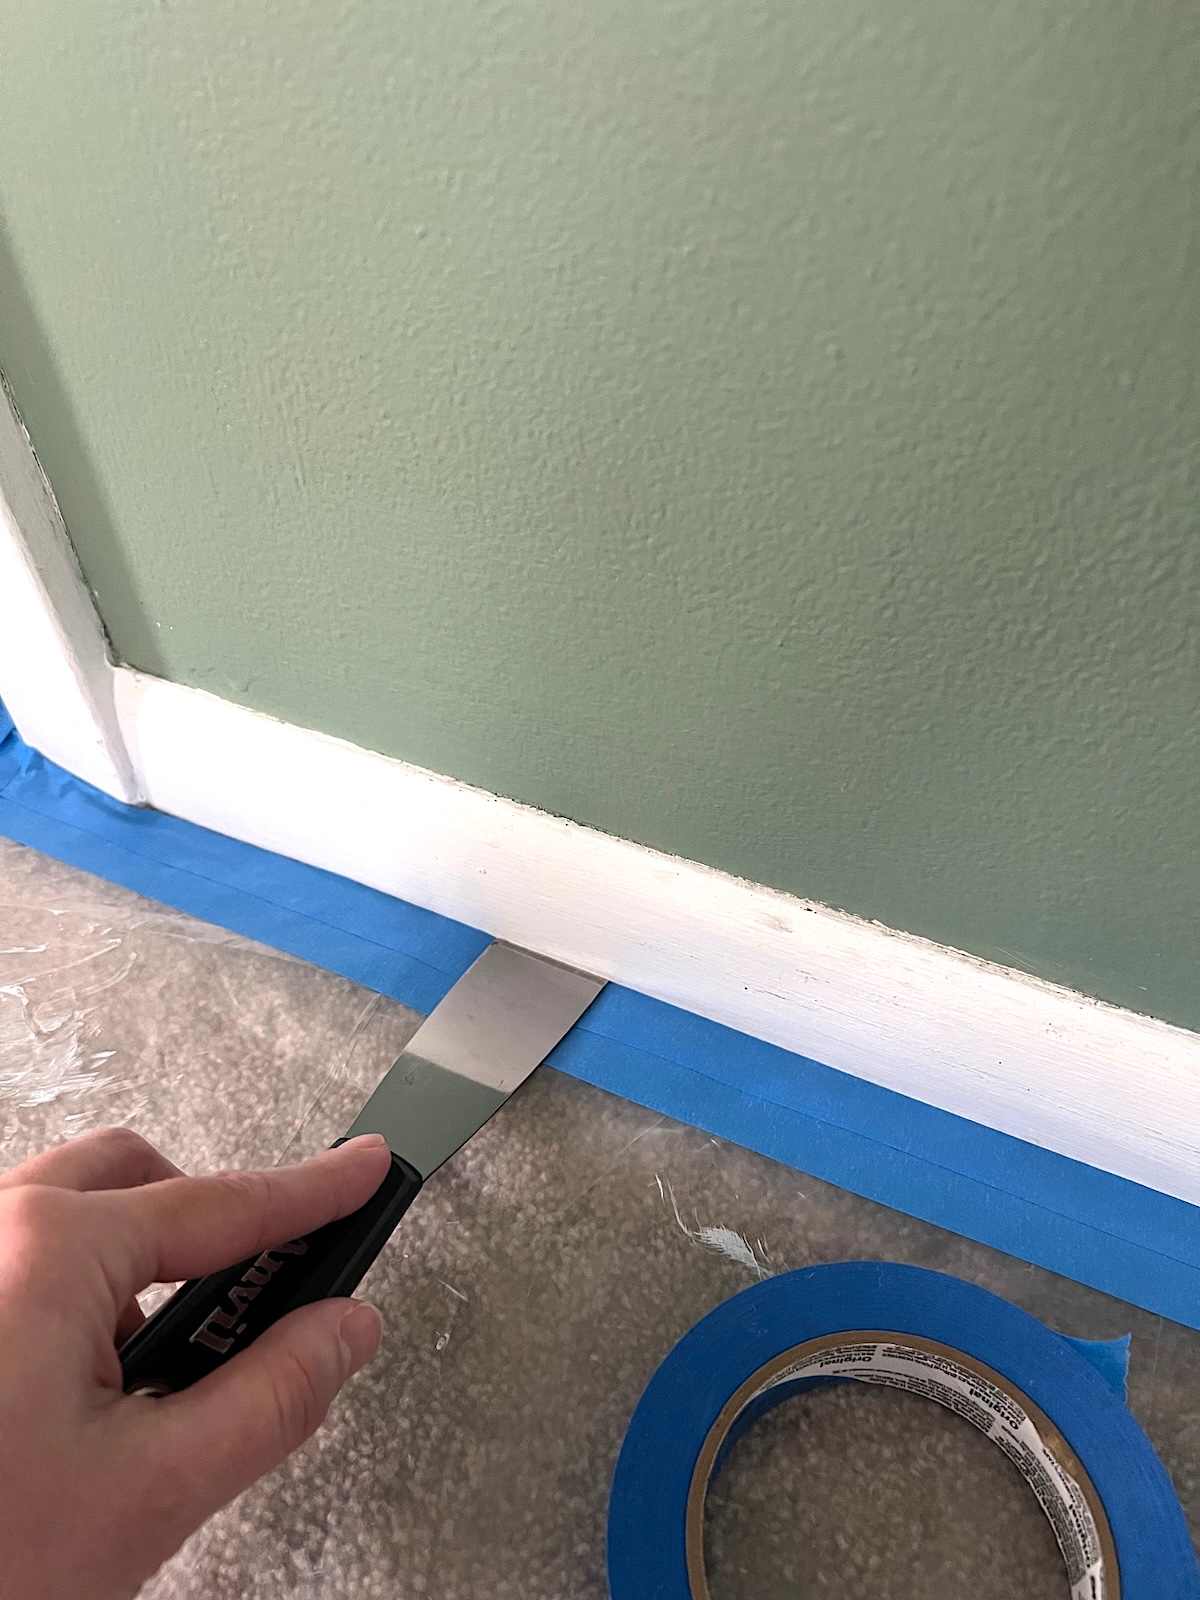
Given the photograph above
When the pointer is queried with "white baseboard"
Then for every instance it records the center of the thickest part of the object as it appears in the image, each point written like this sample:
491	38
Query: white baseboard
1105	1086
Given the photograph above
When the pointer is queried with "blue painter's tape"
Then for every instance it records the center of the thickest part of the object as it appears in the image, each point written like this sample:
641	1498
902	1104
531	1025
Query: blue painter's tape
1102	1230
714	1383
1110	1357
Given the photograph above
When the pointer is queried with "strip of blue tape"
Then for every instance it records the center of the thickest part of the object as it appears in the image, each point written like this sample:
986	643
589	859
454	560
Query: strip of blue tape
647	1512
1117	1236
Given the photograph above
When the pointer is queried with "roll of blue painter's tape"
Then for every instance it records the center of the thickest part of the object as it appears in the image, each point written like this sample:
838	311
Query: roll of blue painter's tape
1116	1517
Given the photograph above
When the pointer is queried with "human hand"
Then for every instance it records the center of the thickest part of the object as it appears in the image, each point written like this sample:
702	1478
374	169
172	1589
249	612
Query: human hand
98	1488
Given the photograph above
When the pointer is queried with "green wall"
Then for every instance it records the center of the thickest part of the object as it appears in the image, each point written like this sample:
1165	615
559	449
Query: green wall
766	429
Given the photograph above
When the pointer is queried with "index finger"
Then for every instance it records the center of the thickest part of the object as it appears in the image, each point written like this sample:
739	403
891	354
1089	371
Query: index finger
109	1158
187	1227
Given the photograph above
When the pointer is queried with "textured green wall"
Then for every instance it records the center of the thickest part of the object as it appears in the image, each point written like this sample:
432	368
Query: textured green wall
766	429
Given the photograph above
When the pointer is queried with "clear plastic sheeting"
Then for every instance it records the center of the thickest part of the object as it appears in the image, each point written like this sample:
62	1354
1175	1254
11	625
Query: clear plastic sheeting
529	1295
116	1010
47	1033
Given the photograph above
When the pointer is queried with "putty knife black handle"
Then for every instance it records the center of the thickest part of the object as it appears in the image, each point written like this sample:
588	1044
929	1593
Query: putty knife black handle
209	1319
504	1015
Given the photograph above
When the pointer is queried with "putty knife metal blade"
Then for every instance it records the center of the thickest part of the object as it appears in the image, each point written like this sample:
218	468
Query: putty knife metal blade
498	1022
494	1027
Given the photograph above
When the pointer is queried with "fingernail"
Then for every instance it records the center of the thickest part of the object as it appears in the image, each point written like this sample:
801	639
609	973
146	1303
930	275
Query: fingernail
364	1141
360	1333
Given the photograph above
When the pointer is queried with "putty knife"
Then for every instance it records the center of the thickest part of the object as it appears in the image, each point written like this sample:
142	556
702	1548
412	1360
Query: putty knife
499	1021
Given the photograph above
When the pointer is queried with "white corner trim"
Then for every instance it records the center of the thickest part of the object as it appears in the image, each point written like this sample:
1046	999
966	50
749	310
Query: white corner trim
55	674
1106	1086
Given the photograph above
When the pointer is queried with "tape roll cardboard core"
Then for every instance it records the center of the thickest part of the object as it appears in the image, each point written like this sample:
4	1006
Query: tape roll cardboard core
981	1396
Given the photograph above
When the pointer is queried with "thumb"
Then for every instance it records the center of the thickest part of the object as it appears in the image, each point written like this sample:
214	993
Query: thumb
223	1433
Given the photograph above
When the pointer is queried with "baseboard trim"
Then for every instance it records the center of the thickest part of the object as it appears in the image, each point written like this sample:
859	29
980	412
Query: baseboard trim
1093	1082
